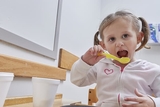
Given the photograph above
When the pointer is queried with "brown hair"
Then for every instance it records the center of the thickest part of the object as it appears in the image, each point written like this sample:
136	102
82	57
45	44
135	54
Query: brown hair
139	24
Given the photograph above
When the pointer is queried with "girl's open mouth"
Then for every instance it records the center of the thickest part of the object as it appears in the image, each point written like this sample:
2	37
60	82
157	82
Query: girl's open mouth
123	53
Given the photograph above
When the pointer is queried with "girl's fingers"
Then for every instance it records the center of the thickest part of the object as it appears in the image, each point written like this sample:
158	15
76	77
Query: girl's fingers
92	50
138	93
139	97
100	48
96	49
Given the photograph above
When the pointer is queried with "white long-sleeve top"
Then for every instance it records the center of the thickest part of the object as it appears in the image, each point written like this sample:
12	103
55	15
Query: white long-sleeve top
114	84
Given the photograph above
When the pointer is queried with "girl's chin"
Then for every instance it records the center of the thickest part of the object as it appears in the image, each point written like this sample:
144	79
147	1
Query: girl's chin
118	63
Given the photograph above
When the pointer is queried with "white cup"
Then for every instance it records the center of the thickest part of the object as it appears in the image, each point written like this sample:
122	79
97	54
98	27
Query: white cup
5	80
44	91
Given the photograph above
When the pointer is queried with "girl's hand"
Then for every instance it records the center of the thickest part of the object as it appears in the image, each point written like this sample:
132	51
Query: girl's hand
141	101
91	57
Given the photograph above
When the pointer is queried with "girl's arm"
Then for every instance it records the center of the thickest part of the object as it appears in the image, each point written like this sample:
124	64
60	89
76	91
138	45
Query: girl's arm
82	74
83	71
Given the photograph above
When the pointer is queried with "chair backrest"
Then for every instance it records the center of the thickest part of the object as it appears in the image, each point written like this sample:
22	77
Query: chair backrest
66	59
26	68
92	97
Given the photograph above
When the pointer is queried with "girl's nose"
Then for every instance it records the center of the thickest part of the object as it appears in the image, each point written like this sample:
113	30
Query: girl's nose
119	44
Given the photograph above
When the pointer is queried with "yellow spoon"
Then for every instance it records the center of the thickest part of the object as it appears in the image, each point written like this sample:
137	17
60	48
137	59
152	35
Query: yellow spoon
123	60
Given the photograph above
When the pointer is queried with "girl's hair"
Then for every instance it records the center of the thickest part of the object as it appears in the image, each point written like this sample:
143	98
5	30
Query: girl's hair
139	24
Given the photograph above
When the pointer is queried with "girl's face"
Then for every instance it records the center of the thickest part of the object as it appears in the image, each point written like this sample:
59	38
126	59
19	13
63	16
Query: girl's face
121	39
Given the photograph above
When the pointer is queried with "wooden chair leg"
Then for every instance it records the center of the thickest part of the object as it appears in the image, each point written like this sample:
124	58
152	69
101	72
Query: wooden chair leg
92	98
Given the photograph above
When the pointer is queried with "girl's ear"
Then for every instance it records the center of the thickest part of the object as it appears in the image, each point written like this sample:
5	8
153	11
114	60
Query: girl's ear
140	37
102	44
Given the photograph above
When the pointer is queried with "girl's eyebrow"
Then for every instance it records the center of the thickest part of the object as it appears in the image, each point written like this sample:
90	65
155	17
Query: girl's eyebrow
126	32
111	35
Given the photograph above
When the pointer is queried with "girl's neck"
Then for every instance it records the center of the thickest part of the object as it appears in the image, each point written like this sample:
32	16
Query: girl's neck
122	65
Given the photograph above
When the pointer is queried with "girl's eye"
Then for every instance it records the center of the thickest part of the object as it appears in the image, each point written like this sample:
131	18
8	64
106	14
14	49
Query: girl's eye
112	39
125	36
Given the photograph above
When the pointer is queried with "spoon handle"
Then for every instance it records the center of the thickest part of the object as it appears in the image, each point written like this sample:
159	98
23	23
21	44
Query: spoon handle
110	56
123	60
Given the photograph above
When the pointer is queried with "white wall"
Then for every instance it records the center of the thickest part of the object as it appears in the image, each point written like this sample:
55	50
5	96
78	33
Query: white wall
80	20
142	8
147	9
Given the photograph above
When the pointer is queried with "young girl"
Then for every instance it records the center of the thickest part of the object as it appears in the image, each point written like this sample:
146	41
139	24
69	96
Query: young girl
120	85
